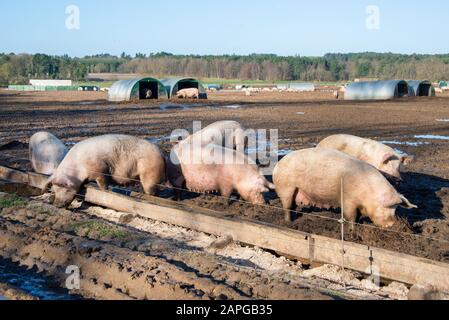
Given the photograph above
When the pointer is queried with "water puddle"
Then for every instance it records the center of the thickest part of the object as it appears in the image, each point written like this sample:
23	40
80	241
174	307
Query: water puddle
235	106
34	284
442	120
432	137
158	140
406	143
177	106
300	113
70	144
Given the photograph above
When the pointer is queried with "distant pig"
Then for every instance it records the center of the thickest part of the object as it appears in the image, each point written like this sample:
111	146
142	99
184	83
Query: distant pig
384	158
314	177
46	153
119	157
205	169
191	93
230	134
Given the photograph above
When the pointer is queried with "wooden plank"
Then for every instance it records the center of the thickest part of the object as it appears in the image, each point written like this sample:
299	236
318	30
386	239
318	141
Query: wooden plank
390	265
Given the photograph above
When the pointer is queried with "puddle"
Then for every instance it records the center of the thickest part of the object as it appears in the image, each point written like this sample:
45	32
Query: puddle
87	103
236	106
400	152
301	113
158	140
406	143
432	137
34	284
284	152
70	144
177	106
442	120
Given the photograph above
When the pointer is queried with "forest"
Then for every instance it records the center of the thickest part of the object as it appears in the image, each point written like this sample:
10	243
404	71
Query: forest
19	68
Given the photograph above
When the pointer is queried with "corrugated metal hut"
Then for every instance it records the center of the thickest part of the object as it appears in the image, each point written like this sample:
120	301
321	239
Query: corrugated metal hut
297	86
378	90
173	85
137	89
422	88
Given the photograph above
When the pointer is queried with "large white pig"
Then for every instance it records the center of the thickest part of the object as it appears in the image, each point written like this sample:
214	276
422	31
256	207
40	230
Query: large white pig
230	134
383	157
315	177
191	93
46	152
209	168
119	158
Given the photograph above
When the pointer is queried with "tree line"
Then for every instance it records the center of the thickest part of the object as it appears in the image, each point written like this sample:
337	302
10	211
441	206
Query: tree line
19	68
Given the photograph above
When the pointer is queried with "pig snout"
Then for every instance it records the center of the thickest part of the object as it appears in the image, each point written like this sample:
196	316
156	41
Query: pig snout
63	197
385	218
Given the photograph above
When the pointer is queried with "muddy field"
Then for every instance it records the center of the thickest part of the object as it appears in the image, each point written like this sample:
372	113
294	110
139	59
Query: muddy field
416	126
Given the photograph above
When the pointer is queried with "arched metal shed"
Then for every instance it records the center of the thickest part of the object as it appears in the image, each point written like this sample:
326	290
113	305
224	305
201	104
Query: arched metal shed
422	88
173	85
378	90
137	89
297	86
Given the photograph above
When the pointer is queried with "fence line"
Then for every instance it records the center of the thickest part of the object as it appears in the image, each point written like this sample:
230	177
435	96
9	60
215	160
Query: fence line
261	205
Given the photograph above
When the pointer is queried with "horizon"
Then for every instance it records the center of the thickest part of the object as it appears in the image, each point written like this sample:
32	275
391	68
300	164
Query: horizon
149	55
286	28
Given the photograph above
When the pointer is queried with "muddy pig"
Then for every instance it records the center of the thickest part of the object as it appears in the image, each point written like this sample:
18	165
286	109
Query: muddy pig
230	134
46	153
211	168
384	158
118	157
314	177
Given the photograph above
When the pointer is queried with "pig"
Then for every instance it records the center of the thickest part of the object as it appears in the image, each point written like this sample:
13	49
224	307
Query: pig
230	134
46	153
211	168
315	177
148	94
120	157
191	93
336	94
383	157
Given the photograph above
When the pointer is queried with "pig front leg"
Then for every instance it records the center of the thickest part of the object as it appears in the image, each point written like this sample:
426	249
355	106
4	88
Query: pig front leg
350	215
102	182
287	196
149	184
226	192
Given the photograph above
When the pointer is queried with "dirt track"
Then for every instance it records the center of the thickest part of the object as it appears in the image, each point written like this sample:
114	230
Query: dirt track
302	121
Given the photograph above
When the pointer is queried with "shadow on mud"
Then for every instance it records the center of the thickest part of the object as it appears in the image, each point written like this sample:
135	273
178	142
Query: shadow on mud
425	191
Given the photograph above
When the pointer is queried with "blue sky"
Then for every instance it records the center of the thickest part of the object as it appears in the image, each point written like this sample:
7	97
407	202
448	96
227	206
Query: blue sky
284	27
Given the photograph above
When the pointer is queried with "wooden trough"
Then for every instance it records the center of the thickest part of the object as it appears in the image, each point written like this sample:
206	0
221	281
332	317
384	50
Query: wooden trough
369	260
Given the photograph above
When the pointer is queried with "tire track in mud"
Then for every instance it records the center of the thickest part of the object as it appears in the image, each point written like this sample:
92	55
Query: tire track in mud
121	263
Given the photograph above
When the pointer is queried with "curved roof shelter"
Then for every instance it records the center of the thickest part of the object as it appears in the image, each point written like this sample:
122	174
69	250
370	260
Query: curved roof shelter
173	85
297	86
137	89
377	90
422	88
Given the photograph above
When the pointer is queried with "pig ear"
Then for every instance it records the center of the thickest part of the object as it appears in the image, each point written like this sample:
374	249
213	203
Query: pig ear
388	157
407	160
406	203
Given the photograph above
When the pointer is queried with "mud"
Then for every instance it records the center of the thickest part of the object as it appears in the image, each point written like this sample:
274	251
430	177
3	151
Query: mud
123	263
303	119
